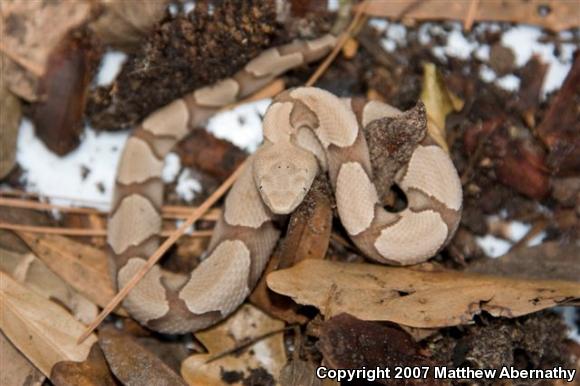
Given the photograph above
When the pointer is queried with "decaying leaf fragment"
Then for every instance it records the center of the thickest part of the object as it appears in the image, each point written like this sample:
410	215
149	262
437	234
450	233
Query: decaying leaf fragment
248	323
126	23
92	372
83	267
375	346
16	369
439	102
132	363
30	30
29	270
41	329
416	298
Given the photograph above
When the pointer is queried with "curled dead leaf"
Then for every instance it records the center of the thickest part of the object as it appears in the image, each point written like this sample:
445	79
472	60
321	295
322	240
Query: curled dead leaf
416	298
31	271
41	329
16	369
439	102
30	32
131	363
83	267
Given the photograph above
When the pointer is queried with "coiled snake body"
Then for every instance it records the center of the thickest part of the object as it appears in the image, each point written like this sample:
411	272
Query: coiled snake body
306	131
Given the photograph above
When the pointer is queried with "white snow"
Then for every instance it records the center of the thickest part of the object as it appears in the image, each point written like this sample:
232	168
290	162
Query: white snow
61	178
242	126
187	186
110	67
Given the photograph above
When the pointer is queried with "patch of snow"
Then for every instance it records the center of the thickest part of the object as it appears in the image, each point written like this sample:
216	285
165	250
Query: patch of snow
487	74
333	5
524	41
187	186
483	52
241	126
493	246
458	45
83	177
537	239
509	82
518	230
171	168
110	67
571	316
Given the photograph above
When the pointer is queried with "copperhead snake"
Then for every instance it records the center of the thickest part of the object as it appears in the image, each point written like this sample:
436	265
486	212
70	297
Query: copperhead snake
306	131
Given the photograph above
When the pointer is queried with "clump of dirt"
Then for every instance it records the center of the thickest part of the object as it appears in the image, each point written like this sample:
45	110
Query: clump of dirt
184	53
534	341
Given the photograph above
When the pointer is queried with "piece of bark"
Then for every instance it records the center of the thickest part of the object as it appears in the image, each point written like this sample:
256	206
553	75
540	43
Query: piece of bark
131	363
41	329
217	157
16	369
58	116
560	127
416	298
243	346
308	237
548	261
81	266
32	272
9	123
532	79
124	24
501	59
30	32
94	371
348	342
561	15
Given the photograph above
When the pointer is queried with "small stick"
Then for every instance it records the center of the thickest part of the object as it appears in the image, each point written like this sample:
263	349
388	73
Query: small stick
470	17
82	231
168	211
197	213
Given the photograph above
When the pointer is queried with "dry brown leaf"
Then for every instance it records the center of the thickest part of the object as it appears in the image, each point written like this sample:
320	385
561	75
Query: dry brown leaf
126	23
92	372
556	15
41	329
131	363
245	325
16	369
30	31
29	270
439	102
548	261
376	346
9	123
415	298
83	267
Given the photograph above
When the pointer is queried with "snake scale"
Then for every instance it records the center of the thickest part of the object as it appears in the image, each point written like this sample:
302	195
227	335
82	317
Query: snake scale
306	131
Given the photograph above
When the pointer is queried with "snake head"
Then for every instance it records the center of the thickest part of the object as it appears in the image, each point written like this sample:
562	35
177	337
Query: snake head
283	174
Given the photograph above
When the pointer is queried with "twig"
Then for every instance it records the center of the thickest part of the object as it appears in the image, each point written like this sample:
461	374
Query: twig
82	231
168	211
196	215
470	17
249	343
